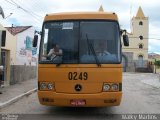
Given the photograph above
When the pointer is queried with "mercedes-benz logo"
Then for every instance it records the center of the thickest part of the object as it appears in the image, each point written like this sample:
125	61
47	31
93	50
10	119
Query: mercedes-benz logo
78	87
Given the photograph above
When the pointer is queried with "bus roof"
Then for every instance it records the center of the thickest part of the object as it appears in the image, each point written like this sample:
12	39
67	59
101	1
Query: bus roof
81	16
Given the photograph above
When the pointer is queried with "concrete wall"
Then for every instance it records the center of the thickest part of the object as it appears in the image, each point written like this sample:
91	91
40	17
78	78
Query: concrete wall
133	65
22	72
130	62
157	70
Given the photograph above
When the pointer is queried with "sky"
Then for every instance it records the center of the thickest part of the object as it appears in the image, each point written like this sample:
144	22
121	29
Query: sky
32	12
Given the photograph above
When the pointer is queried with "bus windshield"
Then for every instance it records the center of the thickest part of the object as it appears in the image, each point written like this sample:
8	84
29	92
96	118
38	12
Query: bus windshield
80	42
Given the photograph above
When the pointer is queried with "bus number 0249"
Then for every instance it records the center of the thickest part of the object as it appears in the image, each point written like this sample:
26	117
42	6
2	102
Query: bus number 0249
77	76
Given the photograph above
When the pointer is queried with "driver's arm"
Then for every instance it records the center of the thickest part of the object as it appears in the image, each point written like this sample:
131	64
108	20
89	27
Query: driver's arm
106	52
58	53
50	52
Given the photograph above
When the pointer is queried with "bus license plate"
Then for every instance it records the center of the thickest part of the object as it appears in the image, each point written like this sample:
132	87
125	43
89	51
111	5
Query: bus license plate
78	102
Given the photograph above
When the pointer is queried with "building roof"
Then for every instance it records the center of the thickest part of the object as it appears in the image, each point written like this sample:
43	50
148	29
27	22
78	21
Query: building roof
140	13
17	29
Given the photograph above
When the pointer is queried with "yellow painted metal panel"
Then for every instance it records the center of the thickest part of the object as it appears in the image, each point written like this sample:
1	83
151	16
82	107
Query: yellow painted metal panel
81	15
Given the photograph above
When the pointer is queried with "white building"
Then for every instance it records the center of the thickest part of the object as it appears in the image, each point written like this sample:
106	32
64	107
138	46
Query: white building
18	56
136	55
23	52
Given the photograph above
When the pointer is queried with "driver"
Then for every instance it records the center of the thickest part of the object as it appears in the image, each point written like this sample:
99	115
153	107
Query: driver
102	49
105	52
54	51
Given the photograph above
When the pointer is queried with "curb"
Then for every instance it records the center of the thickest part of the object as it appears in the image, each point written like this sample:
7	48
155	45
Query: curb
15	99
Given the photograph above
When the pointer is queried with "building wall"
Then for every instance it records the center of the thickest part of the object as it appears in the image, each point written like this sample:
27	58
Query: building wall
10	44
137	30
9	50
6	66
136	52
128	62
25	53
25	64
22	58
140	29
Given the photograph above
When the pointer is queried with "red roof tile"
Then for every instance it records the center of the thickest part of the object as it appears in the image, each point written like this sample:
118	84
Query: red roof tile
17	29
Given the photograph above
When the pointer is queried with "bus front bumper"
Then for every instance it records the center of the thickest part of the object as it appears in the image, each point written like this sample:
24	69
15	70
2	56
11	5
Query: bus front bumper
51	98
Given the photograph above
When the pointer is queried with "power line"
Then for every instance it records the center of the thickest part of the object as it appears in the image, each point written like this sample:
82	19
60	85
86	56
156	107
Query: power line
146	38
39	6
28	7
10	2
24	10
154	38
18	6
27	10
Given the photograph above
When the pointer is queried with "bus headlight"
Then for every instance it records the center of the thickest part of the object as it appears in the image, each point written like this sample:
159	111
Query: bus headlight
50	86
115	87
46	86
43	86
106	87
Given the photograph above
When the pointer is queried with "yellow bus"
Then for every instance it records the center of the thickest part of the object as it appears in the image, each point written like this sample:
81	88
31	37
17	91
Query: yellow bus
88	71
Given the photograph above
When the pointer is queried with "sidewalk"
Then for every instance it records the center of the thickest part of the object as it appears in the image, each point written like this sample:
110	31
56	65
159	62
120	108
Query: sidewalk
14	92
153	80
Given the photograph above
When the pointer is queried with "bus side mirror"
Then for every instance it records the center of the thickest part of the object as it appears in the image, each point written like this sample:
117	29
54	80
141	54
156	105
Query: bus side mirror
3	38
40	32
125	40
35	40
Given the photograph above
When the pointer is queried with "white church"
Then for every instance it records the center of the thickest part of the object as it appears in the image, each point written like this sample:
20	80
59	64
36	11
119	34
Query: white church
136	55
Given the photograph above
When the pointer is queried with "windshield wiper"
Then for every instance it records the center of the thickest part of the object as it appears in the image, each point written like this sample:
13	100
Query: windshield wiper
58	64
93	52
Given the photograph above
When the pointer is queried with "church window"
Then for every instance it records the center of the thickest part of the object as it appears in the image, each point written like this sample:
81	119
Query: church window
140	23
141	37
141	46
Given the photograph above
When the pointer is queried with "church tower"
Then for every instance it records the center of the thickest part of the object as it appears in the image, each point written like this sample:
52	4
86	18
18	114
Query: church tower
138	39
140	33
140	23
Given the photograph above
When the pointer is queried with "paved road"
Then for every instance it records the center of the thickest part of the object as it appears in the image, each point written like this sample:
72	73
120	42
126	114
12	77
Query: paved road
138	97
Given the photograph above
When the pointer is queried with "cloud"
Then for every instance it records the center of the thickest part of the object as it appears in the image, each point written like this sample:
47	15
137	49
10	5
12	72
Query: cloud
125	9
154	42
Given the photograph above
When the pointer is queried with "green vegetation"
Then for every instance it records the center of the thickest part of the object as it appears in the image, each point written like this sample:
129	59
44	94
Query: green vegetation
157	65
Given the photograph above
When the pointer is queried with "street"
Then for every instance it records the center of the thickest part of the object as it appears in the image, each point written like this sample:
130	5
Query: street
138	98
73	53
